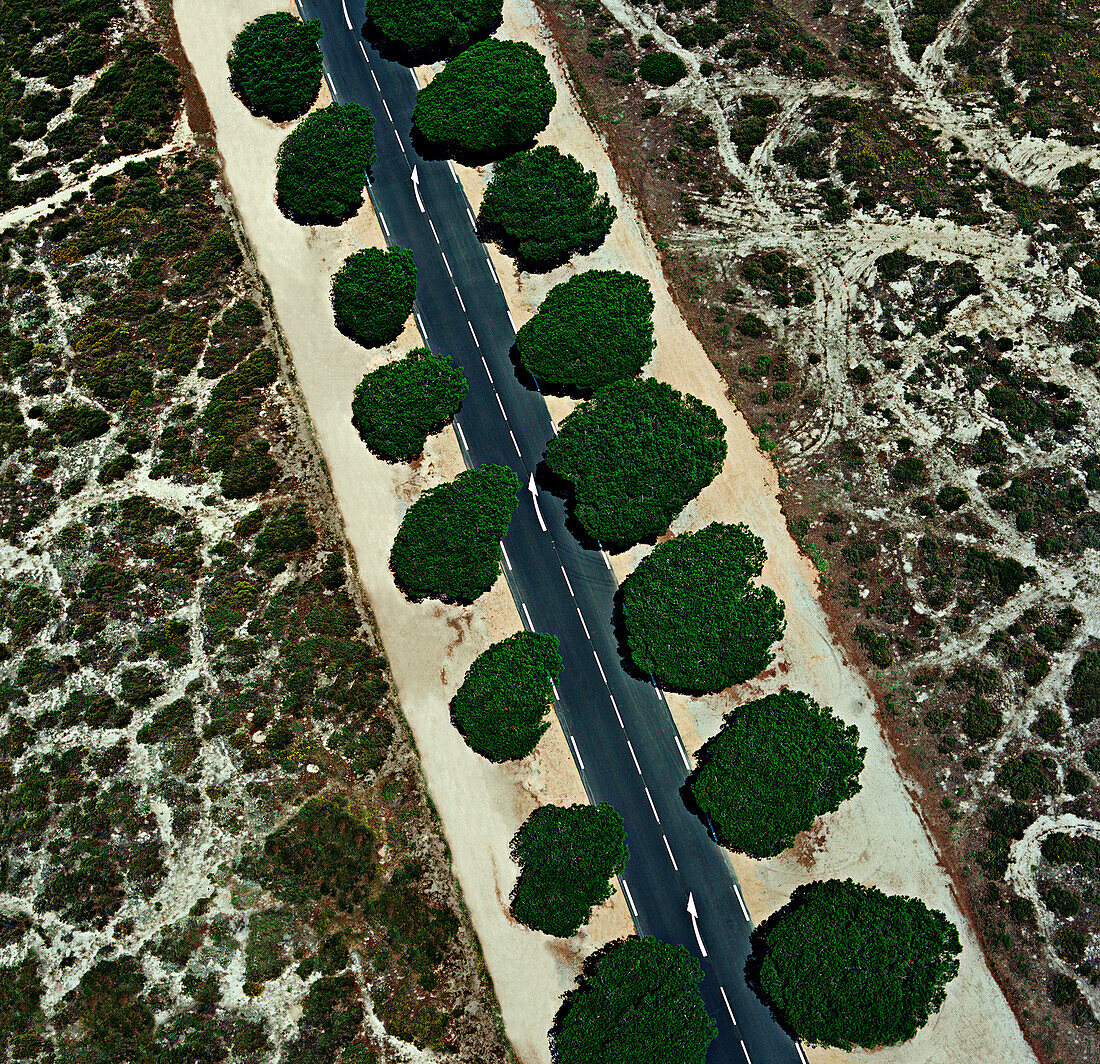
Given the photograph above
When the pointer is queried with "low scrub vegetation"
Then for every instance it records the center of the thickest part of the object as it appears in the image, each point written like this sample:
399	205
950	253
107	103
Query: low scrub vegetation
591	330
448	545
693	616
399	405
636	453
275	65
502	706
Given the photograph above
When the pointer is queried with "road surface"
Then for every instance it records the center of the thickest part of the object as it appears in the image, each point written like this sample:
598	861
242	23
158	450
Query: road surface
626	746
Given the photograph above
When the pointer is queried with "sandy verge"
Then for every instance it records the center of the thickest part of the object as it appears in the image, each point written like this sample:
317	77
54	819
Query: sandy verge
878	838
429	646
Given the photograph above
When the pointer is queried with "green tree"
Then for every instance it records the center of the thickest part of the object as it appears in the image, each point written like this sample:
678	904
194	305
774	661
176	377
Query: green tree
373	294
638	1003
567	856
492	99
502	705
594	329
779	763
693	617
399	405
323	164
425	30
275	65
543	206
448	545
847	965
636	453
662	68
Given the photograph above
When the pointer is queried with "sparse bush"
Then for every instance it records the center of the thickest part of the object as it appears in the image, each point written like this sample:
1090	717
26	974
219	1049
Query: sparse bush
397	406
323	165
567	856
544	207
778	764
592	330
636	453
502	705
275	65
662	68
847	965
692	615
448	545
495	97
373	294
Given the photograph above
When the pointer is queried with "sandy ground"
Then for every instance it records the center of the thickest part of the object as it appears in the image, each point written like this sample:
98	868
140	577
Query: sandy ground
429	646
877	838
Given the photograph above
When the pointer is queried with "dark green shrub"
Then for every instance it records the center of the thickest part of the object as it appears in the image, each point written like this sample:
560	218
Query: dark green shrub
637	1000
397	406
425	30
1070	944
26	612
1061	848
662	68
636	454
248	472
778	764
692	615
910	471
495	97
752	325
567	856
76	422
275	65
332	1018
543	207
265	955
594	329
323	164
1026	776
1022	910
1084	691
20	1000
951	497
373	294
847	965
981	720
502	705
448	545
286	533
1060	900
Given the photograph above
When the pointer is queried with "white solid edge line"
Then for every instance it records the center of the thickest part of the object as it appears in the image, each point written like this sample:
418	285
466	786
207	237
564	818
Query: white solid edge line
675	866
660	693
473	220
347	17
630	747
487	373
741	902
515	443
683	754
503	412
629	899
651	805
489	263
507	560
598	665
554	688
451	167
462	437
419	322
530	623
328	81
472	333
606	559
729	1010
616	709
798	1046
585	627
511	320
745	1051
553	426
567	583
382	219
577	752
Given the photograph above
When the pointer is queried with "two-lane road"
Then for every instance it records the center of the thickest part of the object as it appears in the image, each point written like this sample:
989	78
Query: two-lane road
622	735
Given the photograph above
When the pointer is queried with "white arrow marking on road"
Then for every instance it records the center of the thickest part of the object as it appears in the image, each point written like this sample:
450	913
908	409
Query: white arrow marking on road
347	17
416	189
535	499
694	914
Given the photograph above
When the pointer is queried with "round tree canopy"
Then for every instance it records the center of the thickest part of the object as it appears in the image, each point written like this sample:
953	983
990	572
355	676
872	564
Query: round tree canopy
594	329
275	65
426	30
543	207
502	705
323	164
494	98
636	453
397	406
847	965
567	856
638	1003
448	545
778	764
692	615
373	294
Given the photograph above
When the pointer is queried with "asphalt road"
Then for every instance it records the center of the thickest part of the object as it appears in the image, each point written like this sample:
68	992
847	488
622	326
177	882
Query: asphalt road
623	738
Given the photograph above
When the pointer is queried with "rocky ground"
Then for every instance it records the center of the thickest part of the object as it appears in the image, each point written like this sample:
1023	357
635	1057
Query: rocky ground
216	838
880	221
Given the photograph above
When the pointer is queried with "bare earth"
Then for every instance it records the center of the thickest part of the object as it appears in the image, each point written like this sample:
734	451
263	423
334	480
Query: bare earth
877	838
